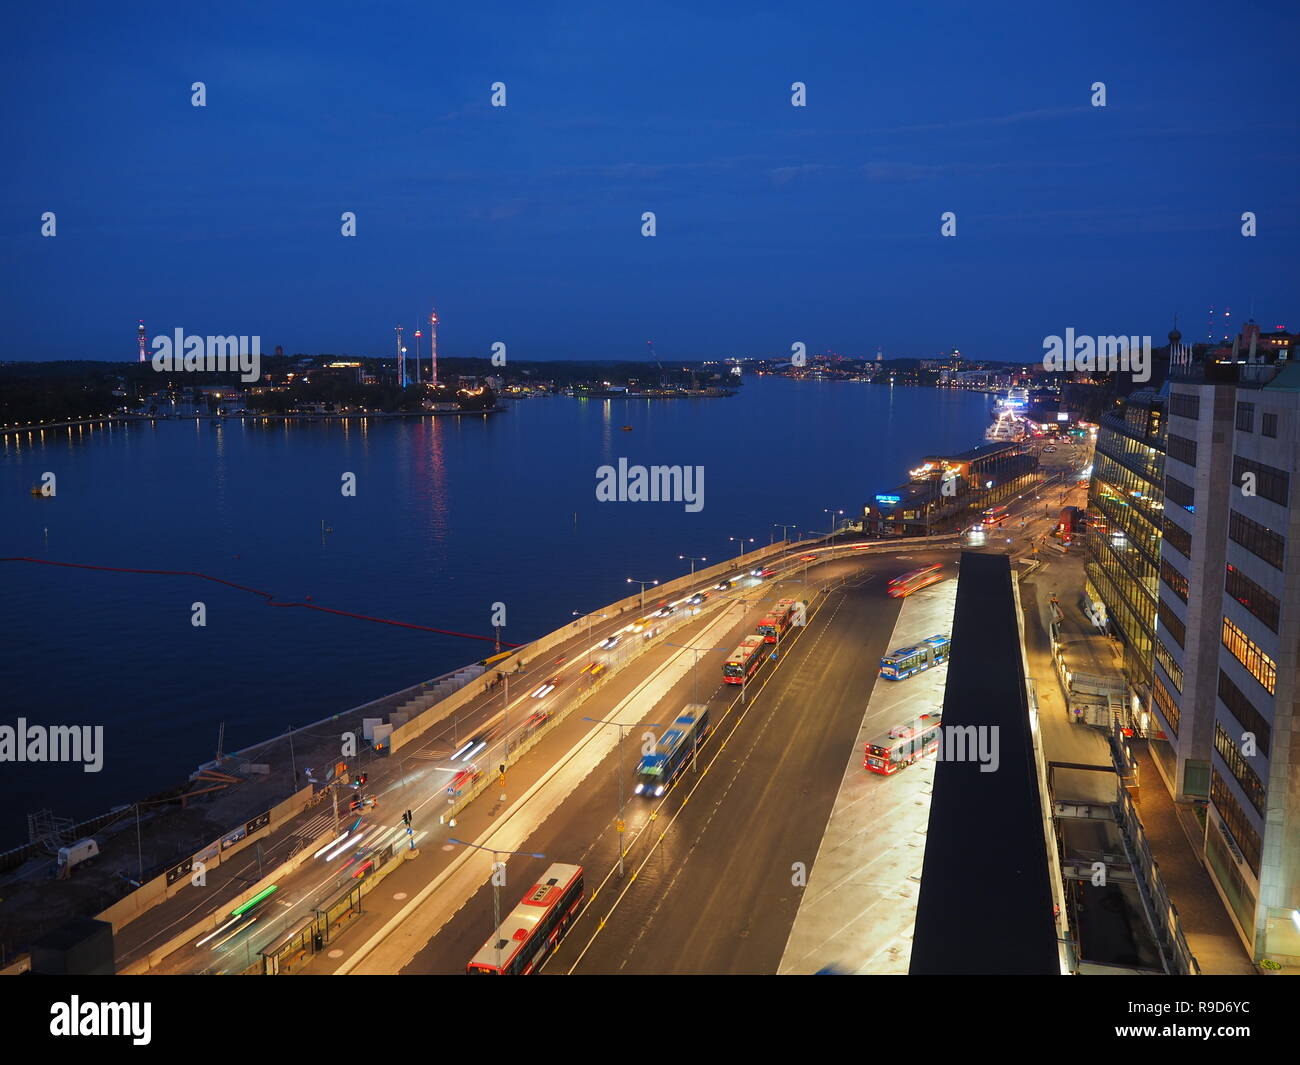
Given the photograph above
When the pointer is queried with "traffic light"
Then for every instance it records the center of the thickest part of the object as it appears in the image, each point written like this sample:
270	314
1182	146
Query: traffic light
406	819
359	780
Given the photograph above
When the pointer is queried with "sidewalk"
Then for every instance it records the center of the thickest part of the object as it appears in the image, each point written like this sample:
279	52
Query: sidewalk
1170	828
1206	926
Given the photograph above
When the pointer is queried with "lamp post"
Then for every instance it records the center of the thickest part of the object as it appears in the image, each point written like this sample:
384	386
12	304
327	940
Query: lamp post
693	560
835	522
496	887
784	529
742	541
505	718
620	824
644	584
578	614
694	665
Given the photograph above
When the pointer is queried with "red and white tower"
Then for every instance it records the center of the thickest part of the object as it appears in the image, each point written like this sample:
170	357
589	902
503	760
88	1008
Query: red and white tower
418	334
433	345
401	360
140	334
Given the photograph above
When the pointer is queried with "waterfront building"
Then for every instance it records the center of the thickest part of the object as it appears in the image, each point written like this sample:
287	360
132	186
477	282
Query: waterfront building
1224	682
976	479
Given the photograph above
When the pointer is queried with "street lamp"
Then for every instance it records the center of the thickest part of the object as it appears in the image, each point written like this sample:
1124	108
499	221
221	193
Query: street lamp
644	584
693	560
694	665
496	887
783	527
835	521
620	824
578	614
742	541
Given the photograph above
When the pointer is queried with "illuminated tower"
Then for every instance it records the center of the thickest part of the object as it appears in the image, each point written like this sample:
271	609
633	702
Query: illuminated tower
140	333
433	345
401	360
418	334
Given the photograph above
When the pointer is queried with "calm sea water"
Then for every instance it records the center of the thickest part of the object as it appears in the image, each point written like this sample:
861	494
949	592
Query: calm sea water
450	516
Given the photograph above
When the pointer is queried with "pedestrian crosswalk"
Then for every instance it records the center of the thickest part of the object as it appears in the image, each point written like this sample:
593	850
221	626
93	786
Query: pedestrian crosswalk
313	828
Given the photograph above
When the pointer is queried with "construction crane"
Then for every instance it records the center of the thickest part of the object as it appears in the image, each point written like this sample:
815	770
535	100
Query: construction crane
663	377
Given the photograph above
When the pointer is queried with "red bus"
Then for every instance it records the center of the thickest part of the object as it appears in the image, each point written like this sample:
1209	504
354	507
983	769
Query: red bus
1070	525
993	517
744	660
904	744
534	927
780	619
902	587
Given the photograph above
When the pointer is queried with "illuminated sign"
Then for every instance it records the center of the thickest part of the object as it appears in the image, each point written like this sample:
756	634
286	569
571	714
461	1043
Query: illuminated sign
889	501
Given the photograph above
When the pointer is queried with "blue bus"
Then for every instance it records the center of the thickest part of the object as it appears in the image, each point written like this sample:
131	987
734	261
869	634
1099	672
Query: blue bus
908	660
656	771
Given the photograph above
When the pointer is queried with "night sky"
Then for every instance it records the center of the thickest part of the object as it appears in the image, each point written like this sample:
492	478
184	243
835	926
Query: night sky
523	224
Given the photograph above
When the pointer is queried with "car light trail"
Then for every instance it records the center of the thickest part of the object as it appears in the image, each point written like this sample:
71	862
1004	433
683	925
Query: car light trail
260	897
330	846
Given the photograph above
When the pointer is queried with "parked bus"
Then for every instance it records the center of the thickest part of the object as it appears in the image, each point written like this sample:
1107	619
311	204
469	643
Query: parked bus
901	587
534	927
904	744
908	660
656	771
744	660
781	618
993	517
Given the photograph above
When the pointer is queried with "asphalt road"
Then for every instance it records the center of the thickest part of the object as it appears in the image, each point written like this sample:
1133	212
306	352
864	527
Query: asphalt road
708	884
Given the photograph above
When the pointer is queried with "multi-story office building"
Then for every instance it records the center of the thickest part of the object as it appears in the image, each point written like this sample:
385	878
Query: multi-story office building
1126	502
1225	648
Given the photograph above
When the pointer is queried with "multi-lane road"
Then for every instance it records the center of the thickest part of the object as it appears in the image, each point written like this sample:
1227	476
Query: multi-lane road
711	868
710	872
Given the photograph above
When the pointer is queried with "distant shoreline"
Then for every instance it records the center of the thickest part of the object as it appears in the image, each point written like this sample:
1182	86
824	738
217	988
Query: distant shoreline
331	417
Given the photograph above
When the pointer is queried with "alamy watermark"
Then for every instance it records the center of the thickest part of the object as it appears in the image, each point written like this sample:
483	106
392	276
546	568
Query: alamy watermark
195	354
971	743
651	484
53	743
1108	354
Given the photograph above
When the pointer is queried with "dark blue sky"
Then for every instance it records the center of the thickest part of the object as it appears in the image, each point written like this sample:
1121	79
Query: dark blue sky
522	224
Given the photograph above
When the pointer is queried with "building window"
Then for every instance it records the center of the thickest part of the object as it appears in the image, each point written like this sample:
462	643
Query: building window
1239	768
1234	817
1176	536
1169	663
1175	580
1258	539
1270	425
1166	705
1185	405
1241	708
1252	596
1180	493
1182	449
1250	655
1270	482
1246	417
1172	623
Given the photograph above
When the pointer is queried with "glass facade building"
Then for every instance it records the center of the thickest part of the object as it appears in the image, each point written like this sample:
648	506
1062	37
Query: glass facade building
1126	501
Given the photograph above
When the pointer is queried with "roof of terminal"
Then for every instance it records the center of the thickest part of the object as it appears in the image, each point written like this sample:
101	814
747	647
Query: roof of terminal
985	903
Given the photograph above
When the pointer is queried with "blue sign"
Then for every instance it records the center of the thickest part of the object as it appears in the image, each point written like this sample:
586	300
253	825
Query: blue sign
889	501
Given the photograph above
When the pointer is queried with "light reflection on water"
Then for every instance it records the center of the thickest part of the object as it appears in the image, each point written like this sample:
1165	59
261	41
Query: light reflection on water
450	516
